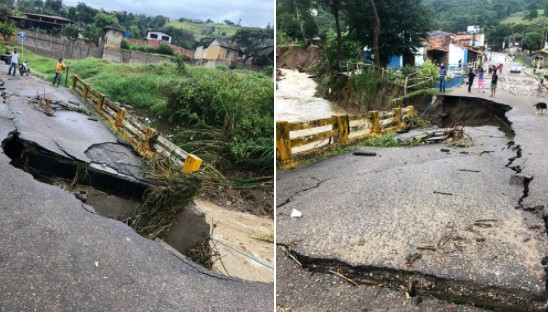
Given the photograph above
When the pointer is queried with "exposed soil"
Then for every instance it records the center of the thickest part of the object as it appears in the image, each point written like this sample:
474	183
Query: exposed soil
301	58
242	244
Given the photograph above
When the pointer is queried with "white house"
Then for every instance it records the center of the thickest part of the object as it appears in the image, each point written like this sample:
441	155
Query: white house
157	35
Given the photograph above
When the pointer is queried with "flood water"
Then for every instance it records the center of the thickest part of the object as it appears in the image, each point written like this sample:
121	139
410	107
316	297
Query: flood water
295	100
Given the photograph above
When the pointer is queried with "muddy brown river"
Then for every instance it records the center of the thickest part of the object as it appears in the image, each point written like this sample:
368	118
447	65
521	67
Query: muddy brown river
295	99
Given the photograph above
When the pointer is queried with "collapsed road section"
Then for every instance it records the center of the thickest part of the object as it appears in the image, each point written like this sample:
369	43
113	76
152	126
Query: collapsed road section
432	220
57	253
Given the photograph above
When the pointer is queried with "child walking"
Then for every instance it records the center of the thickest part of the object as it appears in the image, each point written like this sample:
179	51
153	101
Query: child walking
481	81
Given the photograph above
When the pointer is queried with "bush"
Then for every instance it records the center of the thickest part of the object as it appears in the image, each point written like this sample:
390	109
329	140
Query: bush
165	49
124	45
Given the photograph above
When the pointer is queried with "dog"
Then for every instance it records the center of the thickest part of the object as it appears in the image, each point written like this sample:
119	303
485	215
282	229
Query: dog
540	106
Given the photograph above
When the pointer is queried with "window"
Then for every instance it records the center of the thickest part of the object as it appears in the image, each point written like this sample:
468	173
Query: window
154	36
165	38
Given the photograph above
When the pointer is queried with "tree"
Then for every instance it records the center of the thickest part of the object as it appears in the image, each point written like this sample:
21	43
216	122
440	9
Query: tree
72	32
53	7
403	25
85	14
180	37
533	14
532	41
92	33
294	18
7	29
376	33
333	6
103	19
5	11
227	22
251	40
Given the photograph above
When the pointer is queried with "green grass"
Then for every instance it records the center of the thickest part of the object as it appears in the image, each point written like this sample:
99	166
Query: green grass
201	30
520	18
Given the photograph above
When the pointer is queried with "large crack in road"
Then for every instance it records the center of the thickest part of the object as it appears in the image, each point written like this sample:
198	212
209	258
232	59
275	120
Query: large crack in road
497	291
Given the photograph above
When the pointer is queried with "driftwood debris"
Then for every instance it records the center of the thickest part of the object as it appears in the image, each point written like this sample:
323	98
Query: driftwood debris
45	105
441	136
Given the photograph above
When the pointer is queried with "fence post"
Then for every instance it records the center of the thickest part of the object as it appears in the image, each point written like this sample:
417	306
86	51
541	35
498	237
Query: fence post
397	116
192	164
120	116
86	91
374	122
144	146
283	141
411	111
343	128
405	88
100	102
74	81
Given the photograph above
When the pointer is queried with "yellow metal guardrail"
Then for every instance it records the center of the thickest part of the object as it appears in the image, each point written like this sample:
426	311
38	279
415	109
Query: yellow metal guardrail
299	139
145	140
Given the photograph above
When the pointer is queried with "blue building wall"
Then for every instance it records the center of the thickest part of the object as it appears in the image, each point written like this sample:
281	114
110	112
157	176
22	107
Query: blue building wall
451	83
394	62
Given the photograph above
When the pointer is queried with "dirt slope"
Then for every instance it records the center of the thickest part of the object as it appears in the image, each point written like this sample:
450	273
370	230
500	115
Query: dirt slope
302	58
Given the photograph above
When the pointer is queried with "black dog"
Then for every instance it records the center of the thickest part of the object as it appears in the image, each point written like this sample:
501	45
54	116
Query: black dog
540	106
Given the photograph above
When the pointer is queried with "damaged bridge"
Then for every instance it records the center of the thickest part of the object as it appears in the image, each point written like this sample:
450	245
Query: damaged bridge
58	253
429	227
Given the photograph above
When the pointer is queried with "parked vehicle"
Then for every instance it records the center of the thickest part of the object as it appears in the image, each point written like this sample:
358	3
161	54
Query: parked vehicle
6	58
516	68
24	68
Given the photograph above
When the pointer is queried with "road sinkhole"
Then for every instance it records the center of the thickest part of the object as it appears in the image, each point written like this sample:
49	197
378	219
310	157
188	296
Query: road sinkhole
113	186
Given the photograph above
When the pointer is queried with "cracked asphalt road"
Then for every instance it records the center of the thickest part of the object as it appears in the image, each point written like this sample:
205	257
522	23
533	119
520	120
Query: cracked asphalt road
447	222
57	255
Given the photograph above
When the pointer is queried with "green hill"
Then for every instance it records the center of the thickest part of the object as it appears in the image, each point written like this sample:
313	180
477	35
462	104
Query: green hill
521	18
201	30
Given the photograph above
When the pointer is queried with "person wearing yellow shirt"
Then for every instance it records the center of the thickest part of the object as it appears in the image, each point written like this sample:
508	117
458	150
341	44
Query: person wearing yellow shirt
59	68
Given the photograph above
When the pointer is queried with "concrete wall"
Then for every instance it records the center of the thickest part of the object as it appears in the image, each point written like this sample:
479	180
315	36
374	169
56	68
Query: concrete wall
419	56
132	56
456	53
113	39
47	45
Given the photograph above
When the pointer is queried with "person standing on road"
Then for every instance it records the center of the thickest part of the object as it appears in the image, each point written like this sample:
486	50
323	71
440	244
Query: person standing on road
14	62
443	73
59	68
540	77
494	81
481	80
471	77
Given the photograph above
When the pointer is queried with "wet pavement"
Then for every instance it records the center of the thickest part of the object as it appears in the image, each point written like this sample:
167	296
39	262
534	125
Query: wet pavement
443	221
56	253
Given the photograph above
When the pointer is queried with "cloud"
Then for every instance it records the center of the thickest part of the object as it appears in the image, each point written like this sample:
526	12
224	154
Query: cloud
257	13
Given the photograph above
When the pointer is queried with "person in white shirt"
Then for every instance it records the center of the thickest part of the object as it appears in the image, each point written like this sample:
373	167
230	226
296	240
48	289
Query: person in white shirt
14	62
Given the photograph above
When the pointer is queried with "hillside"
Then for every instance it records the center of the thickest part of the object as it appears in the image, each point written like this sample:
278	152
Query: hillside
521	18
455	15
201	30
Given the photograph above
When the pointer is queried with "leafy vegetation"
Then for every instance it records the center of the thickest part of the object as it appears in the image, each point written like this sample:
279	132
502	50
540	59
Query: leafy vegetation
204	30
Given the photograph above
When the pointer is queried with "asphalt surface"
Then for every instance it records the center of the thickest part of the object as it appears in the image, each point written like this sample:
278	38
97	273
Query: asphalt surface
446	222
57	254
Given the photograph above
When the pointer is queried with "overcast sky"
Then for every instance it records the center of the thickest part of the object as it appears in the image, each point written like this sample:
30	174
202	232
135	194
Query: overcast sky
257	13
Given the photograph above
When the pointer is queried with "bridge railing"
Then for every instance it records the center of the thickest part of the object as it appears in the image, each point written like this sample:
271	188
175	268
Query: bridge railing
299	139
145	140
